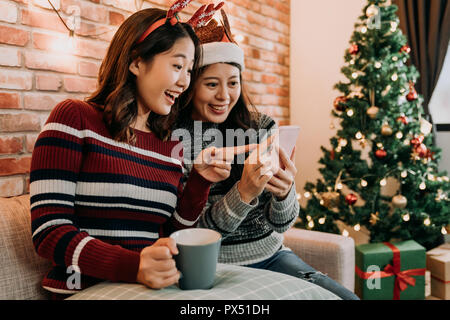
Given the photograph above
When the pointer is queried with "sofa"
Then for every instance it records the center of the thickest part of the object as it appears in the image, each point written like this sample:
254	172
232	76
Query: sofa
22	270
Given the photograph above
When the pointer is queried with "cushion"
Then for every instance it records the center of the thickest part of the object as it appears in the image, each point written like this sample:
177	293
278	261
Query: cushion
232	283
21	269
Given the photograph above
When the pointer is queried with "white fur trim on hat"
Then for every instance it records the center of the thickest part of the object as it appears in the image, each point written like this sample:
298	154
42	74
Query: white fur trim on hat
216	52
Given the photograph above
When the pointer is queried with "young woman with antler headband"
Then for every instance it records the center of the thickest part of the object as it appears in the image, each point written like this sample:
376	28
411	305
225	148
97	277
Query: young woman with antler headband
105	186
257	203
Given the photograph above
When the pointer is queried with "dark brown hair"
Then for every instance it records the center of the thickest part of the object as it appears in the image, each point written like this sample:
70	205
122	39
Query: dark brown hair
117	92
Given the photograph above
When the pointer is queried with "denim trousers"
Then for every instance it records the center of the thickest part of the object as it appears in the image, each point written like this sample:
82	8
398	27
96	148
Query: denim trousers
287	262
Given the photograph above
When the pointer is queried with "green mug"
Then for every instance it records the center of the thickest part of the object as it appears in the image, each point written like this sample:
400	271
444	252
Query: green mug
197	258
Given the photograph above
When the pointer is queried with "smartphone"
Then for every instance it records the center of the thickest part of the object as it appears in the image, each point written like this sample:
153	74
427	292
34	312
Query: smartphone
288	138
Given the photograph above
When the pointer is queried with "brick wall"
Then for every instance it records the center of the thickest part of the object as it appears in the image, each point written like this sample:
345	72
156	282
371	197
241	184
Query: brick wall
39	66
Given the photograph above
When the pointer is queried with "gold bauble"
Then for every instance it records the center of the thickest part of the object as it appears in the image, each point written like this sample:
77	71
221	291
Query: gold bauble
372	112
330	199
386	130
399	201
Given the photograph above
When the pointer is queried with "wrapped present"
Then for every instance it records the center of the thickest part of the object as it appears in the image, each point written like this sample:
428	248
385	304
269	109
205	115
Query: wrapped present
390	271
438	262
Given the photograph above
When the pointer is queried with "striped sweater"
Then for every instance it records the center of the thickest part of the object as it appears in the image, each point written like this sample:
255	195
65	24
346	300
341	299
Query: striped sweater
251	232
96	203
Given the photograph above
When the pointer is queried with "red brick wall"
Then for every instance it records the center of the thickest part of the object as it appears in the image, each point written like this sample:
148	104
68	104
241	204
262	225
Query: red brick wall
38	68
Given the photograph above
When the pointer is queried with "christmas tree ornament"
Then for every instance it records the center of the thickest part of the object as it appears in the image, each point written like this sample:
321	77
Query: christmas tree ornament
372	10
330	199
421	150
394	26
380	154
399	201
354	49
412	95
425	126
372	112
403	119
351	199
339	103
386	130
374	218
405	49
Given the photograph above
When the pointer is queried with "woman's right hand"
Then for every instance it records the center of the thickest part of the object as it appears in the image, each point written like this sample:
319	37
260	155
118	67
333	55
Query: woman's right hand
259	168
157	268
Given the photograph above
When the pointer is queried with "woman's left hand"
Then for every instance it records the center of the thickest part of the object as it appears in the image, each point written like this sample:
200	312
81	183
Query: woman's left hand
214	164
282	181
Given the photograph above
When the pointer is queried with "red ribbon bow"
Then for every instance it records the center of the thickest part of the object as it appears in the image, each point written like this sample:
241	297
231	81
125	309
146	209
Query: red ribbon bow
403	279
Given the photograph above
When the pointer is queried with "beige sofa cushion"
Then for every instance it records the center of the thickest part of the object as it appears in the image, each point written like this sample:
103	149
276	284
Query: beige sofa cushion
21	269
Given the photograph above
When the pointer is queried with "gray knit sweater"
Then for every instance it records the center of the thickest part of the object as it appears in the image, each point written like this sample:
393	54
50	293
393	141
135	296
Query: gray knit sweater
250	232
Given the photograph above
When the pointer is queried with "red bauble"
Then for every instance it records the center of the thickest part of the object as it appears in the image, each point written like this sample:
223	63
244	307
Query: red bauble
405	49
421	150
351	199
417	141
380	154
338	103
354	49
403	119
412	95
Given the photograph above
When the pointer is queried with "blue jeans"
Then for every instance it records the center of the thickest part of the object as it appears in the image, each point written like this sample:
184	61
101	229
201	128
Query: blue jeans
285	261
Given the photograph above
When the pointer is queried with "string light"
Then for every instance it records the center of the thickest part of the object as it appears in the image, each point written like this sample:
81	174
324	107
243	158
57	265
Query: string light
378	65
239	38
311	224
399	135
394	58
354	75
358	135
394	77
383	182
406	217
308	218
345	233
322	220
423	186
363	183
443	230
357	227
427	222
363	30
339	186
350	112
307	195
404	174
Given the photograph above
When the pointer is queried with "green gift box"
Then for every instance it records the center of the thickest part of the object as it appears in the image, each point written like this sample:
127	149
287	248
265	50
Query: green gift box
390	271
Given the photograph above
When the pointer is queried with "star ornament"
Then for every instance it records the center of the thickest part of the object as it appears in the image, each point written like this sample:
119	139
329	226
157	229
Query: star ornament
374	218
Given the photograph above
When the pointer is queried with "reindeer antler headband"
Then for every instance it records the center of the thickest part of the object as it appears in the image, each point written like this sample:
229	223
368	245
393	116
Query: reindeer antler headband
218	44
200	17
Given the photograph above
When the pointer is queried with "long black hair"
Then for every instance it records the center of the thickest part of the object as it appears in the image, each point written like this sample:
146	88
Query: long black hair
116	93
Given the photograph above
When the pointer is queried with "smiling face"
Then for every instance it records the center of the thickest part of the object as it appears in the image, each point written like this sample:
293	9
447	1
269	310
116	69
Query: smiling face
164	78
216	92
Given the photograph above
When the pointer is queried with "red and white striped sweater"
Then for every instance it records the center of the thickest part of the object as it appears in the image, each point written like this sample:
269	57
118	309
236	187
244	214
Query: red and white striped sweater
96	203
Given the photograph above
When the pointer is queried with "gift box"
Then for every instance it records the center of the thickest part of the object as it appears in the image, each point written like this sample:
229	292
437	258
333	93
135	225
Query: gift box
390	271
438	262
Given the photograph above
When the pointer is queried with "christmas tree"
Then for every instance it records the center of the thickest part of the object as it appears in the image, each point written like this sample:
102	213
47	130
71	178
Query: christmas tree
381	174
